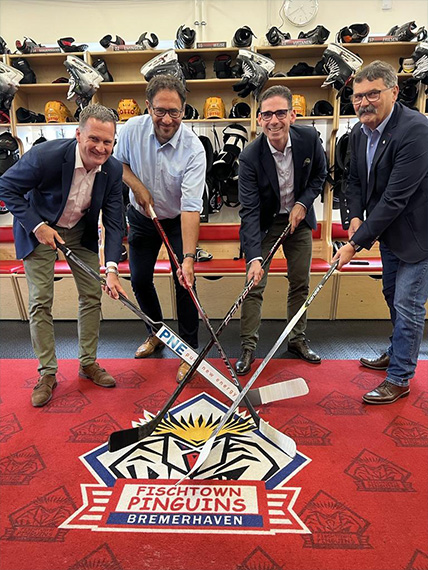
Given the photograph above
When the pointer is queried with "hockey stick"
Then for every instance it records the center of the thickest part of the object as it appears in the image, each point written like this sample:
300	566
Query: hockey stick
169	338
281	440
287	389
210	442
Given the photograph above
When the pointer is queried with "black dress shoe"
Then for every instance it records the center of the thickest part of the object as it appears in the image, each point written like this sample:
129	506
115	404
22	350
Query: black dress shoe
380	363
301	348
386	393
243	365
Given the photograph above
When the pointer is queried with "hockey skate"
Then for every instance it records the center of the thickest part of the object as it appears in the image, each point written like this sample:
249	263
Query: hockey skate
165	63
341	65
256	69
420	57
9	82
84	80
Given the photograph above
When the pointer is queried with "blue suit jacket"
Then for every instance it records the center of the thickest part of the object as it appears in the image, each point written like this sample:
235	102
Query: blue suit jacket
36	189
259	189
396	197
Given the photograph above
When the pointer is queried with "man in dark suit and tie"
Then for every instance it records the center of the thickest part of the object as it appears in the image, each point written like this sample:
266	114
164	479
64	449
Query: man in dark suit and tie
56	191
280	175
388	202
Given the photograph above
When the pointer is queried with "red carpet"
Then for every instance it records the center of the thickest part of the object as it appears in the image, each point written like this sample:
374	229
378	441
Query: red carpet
354	498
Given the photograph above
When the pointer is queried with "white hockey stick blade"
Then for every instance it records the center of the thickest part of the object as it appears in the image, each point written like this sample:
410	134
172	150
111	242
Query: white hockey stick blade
210	442
280	391
283	441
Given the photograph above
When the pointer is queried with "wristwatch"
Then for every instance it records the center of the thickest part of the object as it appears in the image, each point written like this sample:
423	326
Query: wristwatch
192	255
112	270
354	245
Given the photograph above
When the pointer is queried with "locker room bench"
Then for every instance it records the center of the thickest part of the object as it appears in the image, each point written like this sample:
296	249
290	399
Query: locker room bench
10	305
65	306
359	286
221	280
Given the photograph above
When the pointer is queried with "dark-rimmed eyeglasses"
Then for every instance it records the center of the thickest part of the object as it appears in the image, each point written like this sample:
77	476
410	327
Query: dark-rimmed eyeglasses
161	112
371	96
280	114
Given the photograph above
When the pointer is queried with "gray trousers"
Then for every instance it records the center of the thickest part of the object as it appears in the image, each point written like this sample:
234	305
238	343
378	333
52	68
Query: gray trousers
39	271
298	252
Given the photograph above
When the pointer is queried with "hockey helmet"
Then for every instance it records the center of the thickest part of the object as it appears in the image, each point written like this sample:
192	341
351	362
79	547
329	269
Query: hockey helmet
67	45
214	108
128	108
407	32
318	35
57	112
277	38
243	37
146	42
185	38
299	105
353	34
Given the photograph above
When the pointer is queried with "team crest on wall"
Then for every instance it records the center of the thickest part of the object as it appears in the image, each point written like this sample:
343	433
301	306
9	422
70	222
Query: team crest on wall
239	488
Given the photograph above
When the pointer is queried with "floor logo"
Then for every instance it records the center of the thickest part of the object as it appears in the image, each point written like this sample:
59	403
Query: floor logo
240	488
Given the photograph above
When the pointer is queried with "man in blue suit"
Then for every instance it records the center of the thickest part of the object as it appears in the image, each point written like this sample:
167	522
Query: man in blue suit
280	175
56	192
388	202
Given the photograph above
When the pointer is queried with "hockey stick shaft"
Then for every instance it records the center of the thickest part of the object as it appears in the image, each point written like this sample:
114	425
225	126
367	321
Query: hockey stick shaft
202	313
167	336
210	442
148	428
281	439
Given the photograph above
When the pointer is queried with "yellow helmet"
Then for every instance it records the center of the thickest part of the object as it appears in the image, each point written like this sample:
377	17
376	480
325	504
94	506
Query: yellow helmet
214	108
57	112
299	105
128	108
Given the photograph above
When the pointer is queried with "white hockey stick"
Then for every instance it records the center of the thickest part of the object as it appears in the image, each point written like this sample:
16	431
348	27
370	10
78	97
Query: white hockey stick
210	442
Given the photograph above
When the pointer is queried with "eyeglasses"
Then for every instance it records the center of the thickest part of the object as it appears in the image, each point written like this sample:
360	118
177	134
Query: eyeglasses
161	112
371	96
280	114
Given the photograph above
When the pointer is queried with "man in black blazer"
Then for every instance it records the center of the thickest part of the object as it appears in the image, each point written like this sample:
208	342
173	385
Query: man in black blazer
388	202
280	175
56	192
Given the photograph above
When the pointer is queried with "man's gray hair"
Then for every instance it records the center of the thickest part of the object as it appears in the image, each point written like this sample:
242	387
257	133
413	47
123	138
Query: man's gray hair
277	91
96	111
165	82
378	70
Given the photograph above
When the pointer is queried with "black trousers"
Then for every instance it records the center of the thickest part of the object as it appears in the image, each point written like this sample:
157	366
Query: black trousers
144	245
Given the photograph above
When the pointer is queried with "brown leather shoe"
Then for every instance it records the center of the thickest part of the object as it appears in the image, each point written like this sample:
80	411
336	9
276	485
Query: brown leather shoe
98	375
243	364
182	371
379	363
301	348
149	346
42	391
386	393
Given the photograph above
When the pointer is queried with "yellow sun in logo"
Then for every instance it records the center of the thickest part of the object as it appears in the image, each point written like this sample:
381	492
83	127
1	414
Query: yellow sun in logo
197	431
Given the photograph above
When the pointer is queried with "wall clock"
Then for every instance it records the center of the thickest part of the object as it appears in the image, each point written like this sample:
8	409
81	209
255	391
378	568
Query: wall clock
300	12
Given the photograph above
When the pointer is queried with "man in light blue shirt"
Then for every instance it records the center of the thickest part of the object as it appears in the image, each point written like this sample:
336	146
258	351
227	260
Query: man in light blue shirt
164	165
